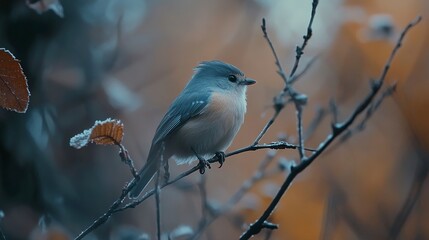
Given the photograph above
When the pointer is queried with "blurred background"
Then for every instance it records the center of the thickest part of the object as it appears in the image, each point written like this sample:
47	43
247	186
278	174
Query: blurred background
88	60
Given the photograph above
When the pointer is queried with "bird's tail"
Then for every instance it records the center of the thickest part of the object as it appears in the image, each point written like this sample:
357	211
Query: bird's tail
146	175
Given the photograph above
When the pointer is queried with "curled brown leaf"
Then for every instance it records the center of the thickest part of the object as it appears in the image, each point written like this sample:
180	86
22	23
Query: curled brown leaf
14	93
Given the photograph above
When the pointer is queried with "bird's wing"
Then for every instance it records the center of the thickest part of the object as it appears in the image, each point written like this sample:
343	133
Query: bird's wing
185	107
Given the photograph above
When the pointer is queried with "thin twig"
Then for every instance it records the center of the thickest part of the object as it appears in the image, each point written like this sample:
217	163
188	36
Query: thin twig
369	113
125	157
297	76
273	145
280	70
299	99
267	126
279	102
337	129
299	109
377	103
300	49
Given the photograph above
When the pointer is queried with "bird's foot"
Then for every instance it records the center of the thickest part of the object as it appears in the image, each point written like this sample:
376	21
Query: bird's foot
220	158
203	164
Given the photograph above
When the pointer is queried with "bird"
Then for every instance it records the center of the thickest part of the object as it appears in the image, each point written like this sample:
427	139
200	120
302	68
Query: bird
200	123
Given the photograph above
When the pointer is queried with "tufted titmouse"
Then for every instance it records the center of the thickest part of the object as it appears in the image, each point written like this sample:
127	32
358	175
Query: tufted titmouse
201	122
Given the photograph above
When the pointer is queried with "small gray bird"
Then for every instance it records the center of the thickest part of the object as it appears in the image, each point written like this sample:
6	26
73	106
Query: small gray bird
201	122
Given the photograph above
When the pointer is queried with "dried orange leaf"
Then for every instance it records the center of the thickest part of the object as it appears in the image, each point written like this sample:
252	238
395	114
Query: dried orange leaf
107	132
14	94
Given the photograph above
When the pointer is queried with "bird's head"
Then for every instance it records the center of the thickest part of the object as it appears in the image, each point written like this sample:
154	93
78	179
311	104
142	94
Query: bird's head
219	75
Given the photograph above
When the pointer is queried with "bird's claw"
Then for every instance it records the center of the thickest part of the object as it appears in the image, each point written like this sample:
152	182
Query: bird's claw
203	164
220	158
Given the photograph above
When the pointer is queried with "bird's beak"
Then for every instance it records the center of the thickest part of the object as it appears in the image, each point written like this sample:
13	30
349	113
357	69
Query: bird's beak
248	81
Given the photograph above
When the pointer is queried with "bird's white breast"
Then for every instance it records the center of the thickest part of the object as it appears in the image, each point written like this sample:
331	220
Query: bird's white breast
214	129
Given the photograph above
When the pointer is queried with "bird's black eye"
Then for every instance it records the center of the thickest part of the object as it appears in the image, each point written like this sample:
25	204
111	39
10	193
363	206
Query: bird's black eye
232	78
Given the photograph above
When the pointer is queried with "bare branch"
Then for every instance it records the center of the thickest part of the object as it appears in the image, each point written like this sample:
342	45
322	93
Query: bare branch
337	129
273	145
